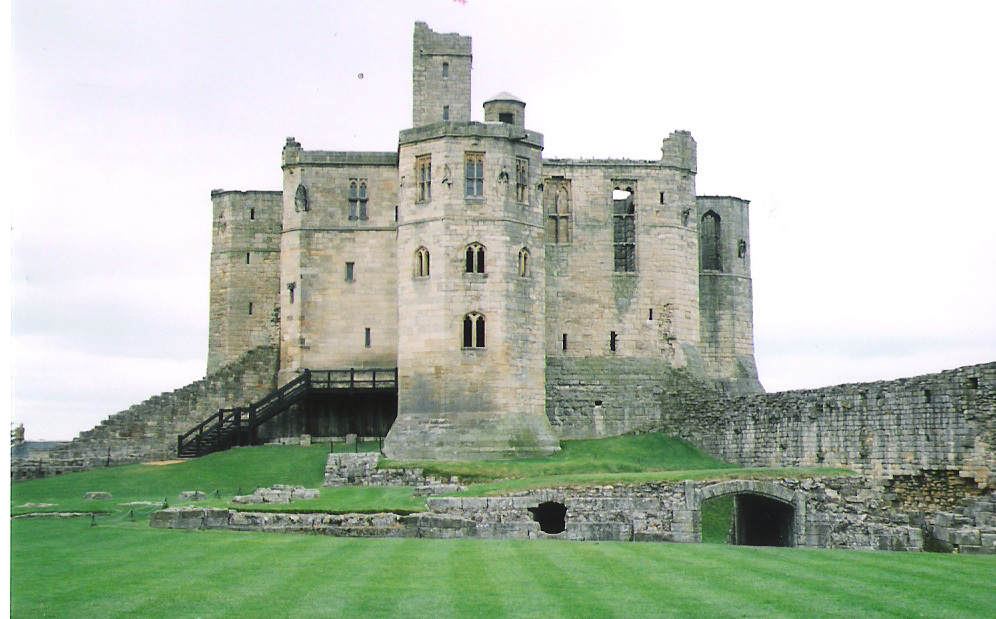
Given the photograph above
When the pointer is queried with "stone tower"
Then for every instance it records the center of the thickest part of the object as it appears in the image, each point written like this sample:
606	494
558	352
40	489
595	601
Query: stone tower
726	307
471	280
245	274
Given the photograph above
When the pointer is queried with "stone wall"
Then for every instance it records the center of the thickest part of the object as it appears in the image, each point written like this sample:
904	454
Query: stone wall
147	431
936	422
852	513
596	397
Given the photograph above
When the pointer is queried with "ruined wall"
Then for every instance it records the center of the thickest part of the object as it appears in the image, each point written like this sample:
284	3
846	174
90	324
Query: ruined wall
942	422
652	308
245	274
147	431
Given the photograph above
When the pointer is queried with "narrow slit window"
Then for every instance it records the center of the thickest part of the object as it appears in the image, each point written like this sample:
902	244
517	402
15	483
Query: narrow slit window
564	340
250	308
612	341
446	69
446	112
247	257
252	213
650	314
710	242
422	262
349	271
290	291
366	337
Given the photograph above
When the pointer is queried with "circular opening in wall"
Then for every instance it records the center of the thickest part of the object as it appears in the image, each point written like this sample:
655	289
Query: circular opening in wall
551	516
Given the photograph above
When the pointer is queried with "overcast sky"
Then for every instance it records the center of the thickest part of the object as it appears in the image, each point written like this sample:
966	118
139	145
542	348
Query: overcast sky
863	134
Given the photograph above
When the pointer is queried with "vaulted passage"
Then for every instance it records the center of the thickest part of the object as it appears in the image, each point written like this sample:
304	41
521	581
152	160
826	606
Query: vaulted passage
551	516
761	521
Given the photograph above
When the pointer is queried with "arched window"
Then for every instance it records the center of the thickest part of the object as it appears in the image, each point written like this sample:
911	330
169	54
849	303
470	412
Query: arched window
301	198
523	262
559	223
422	262
473	330
357	199
475	258
710	247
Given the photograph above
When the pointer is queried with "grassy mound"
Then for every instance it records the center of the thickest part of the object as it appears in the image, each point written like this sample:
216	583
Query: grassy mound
625	459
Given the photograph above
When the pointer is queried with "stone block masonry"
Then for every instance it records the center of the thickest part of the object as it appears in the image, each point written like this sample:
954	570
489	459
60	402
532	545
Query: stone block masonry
937	422
147	431
850	513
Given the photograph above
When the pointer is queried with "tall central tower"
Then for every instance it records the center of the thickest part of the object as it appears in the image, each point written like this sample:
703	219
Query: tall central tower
471	281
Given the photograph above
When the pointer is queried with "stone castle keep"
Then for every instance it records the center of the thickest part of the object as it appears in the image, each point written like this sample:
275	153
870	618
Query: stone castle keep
497	282
463	297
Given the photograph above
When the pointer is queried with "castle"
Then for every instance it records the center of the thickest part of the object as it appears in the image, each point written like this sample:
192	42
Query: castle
521	299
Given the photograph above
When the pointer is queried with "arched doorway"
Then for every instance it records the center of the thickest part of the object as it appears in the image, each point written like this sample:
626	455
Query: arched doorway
759	513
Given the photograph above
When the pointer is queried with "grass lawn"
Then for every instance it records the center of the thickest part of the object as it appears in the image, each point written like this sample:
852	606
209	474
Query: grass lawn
68	569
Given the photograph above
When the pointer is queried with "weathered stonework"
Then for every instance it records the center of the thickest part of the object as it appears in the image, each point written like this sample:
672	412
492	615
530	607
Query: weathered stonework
147	431
851	513
907	427
364	263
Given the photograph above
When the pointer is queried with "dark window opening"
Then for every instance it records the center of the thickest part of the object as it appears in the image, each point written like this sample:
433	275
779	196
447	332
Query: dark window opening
250	308
366	337
290	289
662	197
551	516
473	331
623	230
523	262
926	396
349	271
395	212
612	341
973	382
710	242
598	402
446	112
565	341
252	213
506	117
761	521
650	315
247	257
301	199
474	258
446	69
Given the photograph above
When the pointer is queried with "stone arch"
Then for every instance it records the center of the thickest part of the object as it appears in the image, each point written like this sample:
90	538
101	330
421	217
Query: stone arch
788	505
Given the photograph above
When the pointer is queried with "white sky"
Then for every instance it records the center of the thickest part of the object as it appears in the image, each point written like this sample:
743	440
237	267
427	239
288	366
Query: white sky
862	132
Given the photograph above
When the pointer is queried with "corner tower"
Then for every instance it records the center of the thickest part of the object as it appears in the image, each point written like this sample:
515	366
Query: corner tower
471	280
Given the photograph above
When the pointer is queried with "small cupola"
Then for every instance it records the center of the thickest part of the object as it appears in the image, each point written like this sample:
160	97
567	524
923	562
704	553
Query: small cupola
505	108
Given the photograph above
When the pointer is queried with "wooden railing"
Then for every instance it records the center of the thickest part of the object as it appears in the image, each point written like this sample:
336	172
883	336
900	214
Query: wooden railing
240	426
